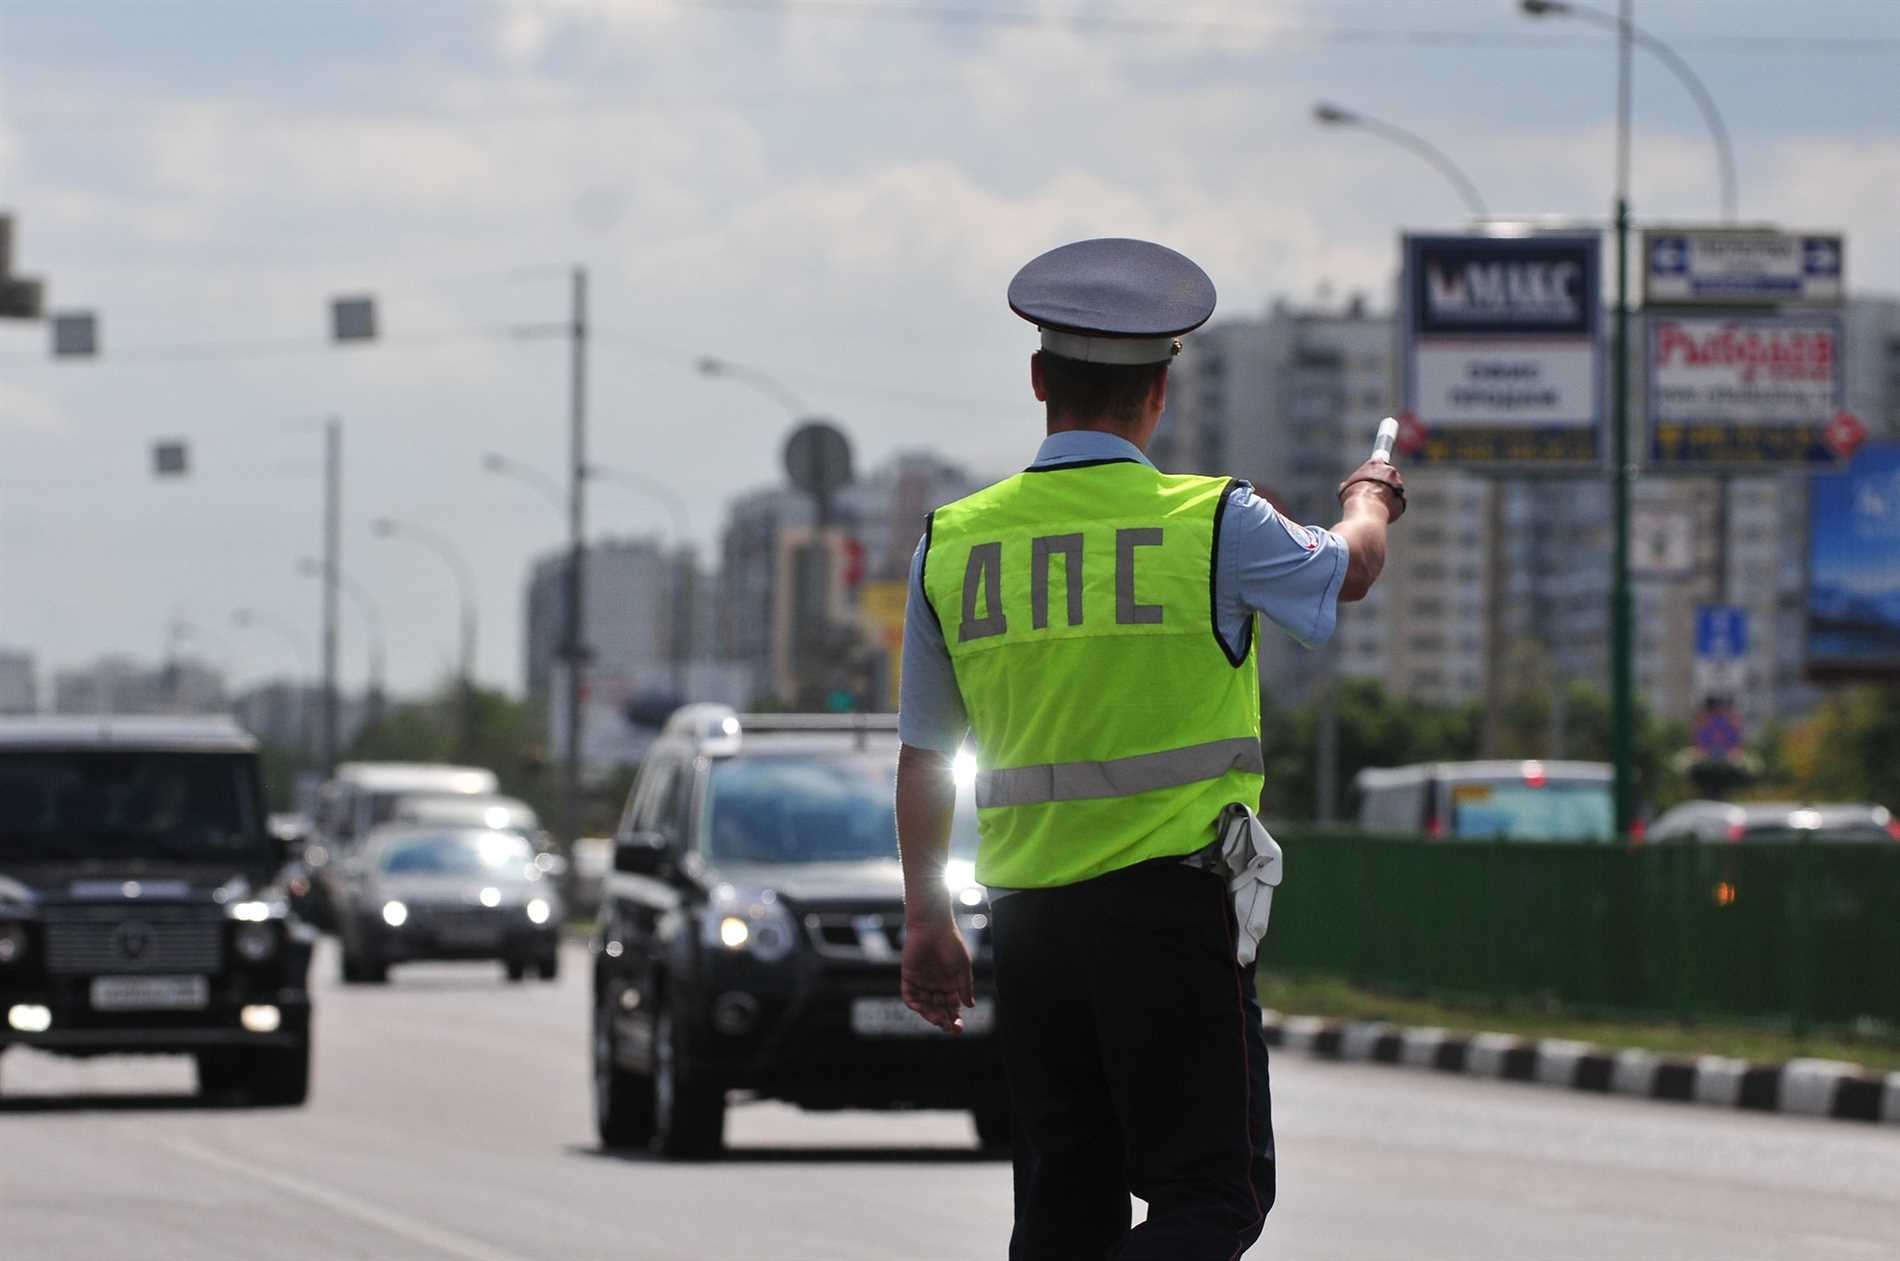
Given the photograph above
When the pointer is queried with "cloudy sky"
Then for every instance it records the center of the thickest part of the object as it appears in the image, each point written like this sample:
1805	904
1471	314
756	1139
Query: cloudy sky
835	191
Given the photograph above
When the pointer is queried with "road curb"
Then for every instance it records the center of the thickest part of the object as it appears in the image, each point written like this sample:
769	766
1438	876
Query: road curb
1804	1087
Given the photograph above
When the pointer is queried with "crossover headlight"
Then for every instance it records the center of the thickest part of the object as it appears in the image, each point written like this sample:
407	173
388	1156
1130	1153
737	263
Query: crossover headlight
750	920
539	912
395	914
255	942
12	943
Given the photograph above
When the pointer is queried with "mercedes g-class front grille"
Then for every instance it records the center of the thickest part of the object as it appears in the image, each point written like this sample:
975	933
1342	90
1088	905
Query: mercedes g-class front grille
87	941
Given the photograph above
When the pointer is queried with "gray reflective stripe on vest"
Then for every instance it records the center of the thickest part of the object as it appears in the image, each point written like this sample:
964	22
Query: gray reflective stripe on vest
1118	777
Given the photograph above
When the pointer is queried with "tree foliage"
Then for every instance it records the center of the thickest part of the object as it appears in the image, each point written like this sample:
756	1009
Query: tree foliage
1847	749
1379	728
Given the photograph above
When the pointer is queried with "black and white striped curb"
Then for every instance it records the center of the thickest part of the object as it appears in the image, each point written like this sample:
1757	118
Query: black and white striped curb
1816	1088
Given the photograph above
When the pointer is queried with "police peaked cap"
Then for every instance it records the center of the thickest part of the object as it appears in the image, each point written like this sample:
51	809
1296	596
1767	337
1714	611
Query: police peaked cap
1113	300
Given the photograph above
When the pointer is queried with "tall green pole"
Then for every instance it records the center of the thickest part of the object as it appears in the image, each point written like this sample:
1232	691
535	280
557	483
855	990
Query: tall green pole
1622	667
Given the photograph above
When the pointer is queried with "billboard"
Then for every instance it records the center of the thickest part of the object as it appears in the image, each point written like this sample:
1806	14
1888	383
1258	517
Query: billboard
881	606
1746	390
1854	569
1741	267
1502	357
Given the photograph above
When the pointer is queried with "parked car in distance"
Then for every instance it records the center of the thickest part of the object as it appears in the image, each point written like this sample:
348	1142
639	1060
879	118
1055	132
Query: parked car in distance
751	933
417	891
139	904
1774	821
1517	801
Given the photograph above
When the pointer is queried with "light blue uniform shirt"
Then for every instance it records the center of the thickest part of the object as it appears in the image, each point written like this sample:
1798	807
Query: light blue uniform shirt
1267	564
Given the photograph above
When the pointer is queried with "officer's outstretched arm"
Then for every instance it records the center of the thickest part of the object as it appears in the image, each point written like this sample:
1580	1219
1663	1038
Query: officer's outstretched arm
937	983
1373	497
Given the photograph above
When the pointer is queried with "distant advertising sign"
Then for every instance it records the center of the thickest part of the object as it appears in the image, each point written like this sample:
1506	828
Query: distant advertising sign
1744	390
1729	267
882	605
1502	356
1854	568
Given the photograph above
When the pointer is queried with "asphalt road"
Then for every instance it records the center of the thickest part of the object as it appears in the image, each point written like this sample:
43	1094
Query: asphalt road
450	1120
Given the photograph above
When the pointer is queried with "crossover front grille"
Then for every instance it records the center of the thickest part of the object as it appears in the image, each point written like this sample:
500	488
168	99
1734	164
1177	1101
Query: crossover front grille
879	937
88	941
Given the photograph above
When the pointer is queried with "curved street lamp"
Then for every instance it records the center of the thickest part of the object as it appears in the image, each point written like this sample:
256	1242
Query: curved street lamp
1328	114
389	528
527	475
372	615
1718	130
764	382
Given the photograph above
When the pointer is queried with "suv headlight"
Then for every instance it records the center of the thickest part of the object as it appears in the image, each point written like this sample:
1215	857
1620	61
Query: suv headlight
750	920
12	943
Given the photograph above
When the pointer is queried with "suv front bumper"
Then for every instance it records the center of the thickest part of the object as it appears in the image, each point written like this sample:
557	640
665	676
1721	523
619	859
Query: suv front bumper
76	1027
800	1043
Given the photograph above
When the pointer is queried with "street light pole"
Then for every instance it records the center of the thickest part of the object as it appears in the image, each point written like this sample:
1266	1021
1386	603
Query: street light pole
575	647
332	546
1329	115
372	616
389	527
668	499
1622	614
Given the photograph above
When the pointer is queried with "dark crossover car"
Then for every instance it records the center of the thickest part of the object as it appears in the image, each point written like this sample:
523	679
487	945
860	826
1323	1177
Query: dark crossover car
751	931
419	891
1775	821
138	905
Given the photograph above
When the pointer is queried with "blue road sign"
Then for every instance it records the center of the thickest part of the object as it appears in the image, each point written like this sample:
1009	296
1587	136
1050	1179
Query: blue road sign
1721	631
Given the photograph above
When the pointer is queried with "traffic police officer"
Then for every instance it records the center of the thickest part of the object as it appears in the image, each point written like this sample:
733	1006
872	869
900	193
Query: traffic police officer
1089	624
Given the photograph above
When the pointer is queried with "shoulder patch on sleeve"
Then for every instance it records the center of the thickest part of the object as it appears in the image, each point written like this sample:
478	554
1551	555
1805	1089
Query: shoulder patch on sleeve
1299	533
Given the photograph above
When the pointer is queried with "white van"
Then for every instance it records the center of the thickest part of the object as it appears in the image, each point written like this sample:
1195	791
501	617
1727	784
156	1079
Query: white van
1517	801
363	794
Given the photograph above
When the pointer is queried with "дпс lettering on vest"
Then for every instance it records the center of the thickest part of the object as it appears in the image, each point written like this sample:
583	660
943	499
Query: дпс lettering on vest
983	583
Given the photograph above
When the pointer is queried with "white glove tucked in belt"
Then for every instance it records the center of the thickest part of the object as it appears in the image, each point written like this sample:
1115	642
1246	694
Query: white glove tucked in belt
1253	866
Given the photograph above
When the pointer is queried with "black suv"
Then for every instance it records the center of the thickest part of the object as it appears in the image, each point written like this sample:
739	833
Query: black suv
137	909
750	936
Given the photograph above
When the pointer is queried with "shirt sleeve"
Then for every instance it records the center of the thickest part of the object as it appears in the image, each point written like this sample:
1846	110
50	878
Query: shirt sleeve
1273	565
930	713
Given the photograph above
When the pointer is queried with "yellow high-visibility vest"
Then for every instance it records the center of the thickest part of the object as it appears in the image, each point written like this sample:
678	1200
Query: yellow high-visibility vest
1111	723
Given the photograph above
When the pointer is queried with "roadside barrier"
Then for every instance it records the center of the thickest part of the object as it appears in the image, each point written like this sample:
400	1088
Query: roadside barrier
1806	932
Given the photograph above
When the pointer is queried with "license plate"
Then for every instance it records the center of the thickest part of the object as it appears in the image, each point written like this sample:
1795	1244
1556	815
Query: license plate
150	993
469	936
889	1018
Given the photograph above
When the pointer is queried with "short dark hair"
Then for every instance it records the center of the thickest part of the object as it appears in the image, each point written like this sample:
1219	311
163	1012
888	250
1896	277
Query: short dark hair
1091	392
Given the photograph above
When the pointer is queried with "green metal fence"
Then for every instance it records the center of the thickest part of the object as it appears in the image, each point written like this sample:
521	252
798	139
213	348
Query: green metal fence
1807	932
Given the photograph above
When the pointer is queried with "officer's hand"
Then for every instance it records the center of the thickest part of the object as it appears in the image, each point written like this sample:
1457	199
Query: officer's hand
937	984
1376	478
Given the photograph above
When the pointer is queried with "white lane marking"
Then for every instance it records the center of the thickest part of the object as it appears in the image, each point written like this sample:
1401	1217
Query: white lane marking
401	1225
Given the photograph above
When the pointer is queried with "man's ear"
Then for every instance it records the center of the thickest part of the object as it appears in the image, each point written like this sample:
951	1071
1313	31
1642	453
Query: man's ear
1035	377
1158	392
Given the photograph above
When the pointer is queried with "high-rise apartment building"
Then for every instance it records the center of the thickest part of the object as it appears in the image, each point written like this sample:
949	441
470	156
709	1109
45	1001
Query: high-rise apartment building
19	684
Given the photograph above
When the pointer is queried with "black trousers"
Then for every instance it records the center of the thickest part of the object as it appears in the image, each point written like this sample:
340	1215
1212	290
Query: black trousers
1136	1064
